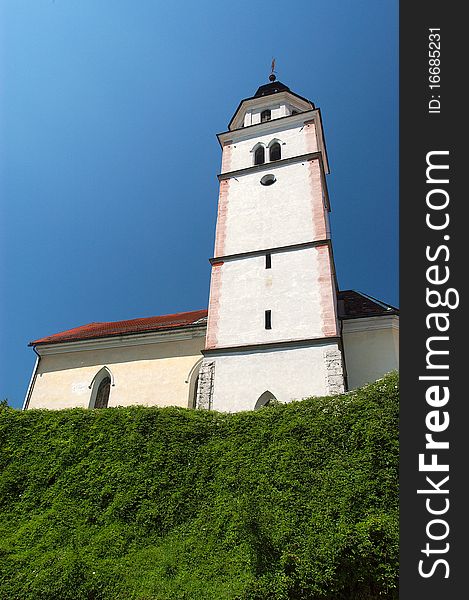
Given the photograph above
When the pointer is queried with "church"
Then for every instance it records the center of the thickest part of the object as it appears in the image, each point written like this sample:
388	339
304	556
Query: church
277	327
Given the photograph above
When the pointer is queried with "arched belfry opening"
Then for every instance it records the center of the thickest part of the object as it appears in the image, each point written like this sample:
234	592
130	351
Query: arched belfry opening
275	152
101	388
259	155
265	399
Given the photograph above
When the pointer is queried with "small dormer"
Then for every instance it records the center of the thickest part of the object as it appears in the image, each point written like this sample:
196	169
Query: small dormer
271	101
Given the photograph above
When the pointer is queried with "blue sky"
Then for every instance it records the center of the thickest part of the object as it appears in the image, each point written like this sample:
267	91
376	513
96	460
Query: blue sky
108	154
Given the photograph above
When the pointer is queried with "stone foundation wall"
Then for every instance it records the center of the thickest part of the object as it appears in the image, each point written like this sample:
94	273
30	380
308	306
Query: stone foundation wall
334	371
206	382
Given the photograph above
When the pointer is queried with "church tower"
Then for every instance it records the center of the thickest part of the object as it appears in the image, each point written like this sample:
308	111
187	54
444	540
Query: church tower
273	329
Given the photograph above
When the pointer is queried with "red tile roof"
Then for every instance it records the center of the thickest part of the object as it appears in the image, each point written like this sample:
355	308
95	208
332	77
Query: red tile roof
351	304
100	330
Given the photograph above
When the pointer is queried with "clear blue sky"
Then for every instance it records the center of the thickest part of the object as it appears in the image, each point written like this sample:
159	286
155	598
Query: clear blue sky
108	154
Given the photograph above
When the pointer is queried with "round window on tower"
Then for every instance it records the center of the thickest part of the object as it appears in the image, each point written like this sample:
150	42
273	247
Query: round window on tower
268	180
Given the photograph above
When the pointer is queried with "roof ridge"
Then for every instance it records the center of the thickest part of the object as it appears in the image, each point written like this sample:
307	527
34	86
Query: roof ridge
185	312
380	302
125	326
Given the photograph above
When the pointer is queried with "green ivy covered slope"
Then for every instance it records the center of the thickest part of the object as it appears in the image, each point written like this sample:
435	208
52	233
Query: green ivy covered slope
295	501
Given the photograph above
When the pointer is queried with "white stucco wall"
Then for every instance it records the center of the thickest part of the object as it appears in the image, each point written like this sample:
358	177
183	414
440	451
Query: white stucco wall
256	217
148	374
371	348
294	140
293	289
278	110
289	374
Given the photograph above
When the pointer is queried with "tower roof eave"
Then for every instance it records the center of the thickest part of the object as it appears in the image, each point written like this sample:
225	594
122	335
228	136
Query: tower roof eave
271	88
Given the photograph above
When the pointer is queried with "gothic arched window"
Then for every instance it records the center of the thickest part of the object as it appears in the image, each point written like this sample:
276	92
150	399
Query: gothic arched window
259	156
265	399
265	116
193	380
275	152
102	395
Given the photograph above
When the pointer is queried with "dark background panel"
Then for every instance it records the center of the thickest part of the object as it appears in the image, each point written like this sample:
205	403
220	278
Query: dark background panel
421	132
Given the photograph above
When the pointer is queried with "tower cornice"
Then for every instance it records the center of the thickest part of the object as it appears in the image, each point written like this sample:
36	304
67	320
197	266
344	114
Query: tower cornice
268	126
277	249
274	345
281	163
272	165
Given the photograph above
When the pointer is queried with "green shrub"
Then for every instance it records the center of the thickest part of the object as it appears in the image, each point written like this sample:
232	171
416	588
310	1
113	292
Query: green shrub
296	501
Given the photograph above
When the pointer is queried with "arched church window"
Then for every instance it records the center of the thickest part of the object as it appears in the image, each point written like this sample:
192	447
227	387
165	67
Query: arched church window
275	152
100	387
102	395
193	380
265	399
266	115
259	156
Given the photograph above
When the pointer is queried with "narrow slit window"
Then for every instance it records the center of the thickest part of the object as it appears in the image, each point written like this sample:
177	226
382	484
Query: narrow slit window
259	156
266	115
268	319
275	152
268	261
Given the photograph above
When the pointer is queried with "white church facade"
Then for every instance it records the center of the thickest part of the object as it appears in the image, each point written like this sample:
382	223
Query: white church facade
277	326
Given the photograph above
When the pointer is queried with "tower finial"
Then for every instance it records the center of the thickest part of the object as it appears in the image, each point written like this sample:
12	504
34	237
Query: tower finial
272	76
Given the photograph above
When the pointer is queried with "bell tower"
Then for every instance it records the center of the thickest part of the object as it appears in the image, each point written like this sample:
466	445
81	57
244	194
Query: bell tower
272	330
